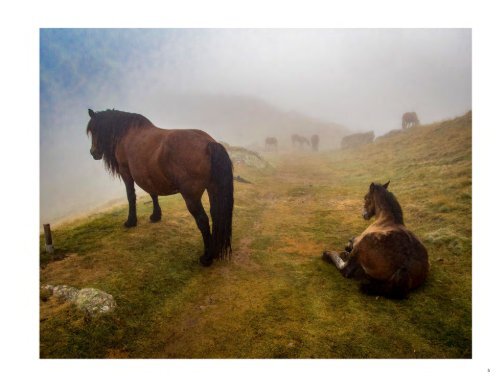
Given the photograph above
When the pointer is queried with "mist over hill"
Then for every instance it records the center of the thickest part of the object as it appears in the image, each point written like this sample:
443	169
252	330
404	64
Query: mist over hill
72	182
239	120
240	86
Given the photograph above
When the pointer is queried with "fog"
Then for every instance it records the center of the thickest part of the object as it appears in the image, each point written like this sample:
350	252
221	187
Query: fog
238	85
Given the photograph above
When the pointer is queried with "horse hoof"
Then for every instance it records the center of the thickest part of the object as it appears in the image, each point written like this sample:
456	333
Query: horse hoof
206	261
130	223
155	218
326	256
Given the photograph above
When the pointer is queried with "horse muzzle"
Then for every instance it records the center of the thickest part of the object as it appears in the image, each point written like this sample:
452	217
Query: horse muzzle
366	215
95	155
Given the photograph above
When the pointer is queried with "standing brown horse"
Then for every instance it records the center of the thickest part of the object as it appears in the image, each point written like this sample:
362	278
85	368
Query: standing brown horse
301	140
166	162
410	119
387	256
271	143
315	142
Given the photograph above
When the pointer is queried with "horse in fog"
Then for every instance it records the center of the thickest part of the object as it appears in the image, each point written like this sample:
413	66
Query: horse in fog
300	140
271	144
388	258
357	139
166	162
410	119
315	142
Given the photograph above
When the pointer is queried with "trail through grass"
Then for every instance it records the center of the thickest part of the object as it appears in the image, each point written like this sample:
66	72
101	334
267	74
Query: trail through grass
276	298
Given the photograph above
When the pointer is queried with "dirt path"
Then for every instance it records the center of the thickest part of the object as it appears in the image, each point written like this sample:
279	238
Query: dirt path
274	298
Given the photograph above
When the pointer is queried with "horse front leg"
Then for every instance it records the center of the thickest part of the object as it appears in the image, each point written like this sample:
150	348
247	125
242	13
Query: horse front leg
335	258
350	245
132	210
156	215
347	263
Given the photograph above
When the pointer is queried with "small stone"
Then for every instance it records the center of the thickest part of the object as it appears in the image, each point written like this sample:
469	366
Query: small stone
95	301
64	292
48	288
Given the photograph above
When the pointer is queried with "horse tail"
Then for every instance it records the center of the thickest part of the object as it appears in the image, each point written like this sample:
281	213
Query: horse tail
220	192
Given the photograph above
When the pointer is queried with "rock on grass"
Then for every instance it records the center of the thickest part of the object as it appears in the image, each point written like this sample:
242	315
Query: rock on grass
95	301
90	300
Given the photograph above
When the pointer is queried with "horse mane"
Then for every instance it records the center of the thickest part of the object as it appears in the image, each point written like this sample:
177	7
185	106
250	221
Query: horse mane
109	127
391	203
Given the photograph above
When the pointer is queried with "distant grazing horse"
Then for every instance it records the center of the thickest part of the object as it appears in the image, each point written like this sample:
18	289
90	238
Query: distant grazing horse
271	143
357	139
166	162
315	142
387	256
410	119
300	140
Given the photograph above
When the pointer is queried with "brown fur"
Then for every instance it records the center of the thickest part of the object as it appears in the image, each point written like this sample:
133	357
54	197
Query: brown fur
315	142
357	139
271	143
166	162
409	119
387	256
300	140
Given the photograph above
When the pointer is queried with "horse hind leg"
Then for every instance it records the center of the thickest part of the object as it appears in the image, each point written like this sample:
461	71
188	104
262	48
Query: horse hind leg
195	207
156	215
399	284
396	287
372	287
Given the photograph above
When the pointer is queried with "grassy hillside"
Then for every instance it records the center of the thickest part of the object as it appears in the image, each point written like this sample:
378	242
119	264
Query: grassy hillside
276	298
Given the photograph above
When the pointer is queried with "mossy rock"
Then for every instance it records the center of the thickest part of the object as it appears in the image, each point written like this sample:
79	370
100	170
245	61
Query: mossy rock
95	301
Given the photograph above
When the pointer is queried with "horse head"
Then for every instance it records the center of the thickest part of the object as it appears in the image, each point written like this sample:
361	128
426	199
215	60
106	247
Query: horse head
95	150
370	206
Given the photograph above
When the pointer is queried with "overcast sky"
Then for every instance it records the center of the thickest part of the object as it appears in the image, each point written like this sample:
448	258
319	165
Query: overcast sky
364	79
361	78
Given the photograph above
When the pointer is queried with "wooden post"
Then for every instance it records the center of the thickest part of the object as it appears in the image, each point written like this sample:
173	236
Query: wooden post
49	247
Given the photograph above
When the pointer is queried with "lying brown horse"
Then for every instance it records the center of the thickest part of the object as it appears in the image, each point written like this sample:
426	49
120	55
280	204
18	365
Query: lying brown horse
387	256
166	162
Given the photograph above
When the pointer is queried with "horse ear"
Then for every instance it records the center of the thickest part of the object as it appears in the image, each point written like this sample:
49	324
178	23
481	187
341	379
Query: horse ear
386	184
372	186
91	113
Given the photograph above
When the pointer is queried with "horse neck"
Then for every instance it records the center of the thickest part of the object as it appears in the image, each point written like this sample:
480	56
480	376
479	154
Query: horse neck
139	130
385	212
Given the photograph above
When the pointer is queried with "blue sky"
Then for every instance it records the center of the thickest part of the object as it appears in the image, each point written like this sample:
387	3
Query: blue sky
78	64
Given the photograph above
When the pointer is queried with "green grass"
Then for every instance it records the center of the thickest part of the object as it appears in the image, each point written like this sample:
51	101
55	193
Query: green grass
276	298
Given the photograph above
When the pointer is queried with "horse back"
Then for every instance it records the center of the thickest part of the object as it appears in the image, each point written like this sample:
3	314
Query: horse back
164	162
185	156
382	251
